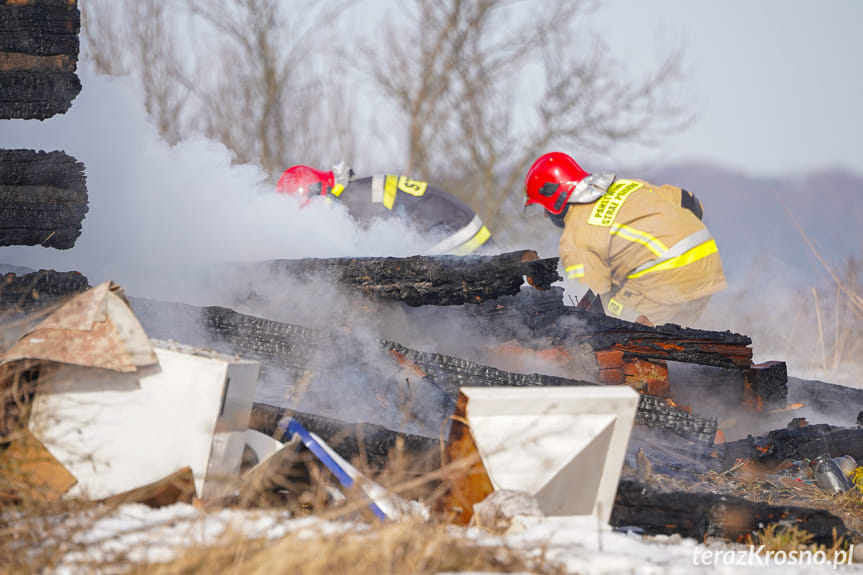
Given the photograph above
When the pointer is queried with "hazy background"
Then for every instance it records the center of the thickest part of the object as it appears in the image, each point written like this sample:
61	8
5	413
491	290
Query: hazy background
751	106
775	82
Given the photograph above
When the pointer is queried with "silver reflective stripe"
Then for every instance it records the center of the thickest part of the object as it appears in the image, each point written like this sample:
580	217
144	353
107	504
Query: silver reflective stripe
378	189
637	236
678	249
458	238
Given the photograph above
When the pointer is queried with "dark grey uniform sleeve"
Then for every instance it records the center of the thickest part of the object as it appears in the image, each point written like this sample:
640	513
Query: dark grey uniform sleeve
441	218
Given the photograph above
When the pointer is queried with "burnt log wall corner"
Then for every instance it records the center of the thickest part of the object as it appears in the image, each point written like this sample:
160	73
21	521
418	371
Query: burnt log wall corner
38	57
43	195
43	198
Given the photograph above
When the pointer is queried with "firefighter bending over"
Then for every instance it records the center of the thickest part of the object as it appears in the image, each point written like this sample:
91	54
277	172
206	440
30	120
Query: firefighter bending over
450	224
642	247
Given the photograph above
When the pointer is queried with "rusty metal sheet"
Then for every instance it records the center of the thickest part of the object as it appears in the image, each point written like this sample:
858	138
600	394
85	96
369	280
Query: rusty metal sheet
94	329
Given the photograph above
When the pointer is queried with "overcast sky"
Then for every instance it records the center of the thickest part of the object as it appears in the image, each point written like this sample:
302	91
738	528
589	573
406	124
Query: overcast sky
777	84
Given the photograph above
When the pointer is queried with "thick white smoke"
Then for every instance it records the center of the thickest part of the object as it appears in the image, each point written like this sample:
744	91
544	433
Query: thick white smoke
159	215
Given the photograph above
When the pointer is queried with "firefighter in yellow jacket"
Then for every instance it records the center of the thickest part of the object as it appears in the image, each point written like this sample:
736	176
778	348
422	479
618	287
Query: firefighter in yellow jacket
643	248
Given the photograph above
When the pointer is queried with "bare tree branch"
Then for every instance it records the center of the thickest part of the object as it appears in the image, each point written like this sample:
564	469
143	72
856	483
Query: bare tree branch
247	73
459	90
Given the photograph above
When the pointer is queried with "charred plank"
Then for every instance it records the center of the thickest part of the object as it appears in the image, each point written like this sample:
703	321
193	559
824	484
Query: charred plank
450	373
30	292
43	198
36	95
372	445
701	515
663	342
545	314
429	280
302	357
659	414
840	402
40	27
797	441
38	56
766	386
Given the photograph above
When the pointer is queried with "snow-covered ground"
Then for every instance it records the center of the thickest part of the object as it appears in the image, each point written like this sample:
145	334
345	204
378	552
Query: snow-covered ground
144	534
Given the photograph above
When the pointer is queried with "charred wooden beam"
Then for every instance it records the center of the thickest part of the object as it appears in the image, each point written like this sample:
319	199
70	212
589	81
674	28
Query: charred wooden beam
797	441
43	198
428	280
373	446
766	386
701	515
506	316
449	373
663	342
23	294
38	57
494	294
657	413
840	402
547	315
310	358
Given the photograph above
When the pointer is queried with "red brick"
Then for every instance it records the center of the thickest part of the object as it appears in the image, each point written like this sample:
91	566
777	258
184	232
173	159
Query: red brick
612	376
609	358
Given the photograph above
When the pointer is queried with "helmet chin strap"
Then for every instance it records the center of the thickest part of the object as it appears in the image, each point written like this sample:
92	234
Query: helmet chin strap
557	219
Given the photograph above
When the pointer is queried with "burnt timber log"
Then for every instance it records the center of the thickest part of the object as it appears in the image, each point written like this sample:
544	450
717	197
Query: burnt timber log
38	57
492	291
839	402
766	386
429	280
547	315
43	198
701	515
450	373
308	358
797	441
658	414
370	444
669	342
24	294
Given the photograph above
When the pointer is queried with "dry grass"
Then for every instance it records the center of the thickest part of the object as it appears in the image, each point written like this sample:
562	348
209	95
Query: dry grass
832	315
38	536
778	537
403	547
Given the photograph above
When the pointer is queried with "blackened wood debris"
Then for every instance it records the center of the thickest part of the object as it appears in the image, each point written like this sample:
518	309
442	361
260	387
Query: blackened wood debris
429	280
29	292
38	56
43	198
701	515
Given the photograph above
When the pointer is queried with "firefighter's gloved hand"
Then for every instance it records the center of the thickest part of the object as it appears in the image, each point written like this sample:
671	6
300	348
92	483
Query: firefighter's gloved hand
342	173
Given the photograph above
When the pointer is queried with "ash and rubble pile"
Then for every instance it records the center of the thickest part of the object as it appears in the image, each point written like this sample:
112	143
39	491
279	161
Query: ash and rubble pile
371	354
367	394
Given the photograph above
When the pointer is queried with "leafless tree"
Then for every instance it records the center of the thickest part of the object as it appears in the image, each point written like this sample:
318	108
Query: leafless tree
247	73
138	38
485	86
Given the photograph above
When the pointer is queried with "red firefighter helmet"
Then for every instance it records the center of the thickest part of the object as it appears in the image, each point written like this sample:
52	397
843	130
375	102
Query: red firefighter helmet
550	181
305	182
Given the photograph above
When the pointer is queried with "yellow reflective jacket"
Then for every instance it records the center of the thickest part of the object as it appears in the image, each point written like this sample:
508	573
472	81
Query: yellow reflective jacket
640	248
